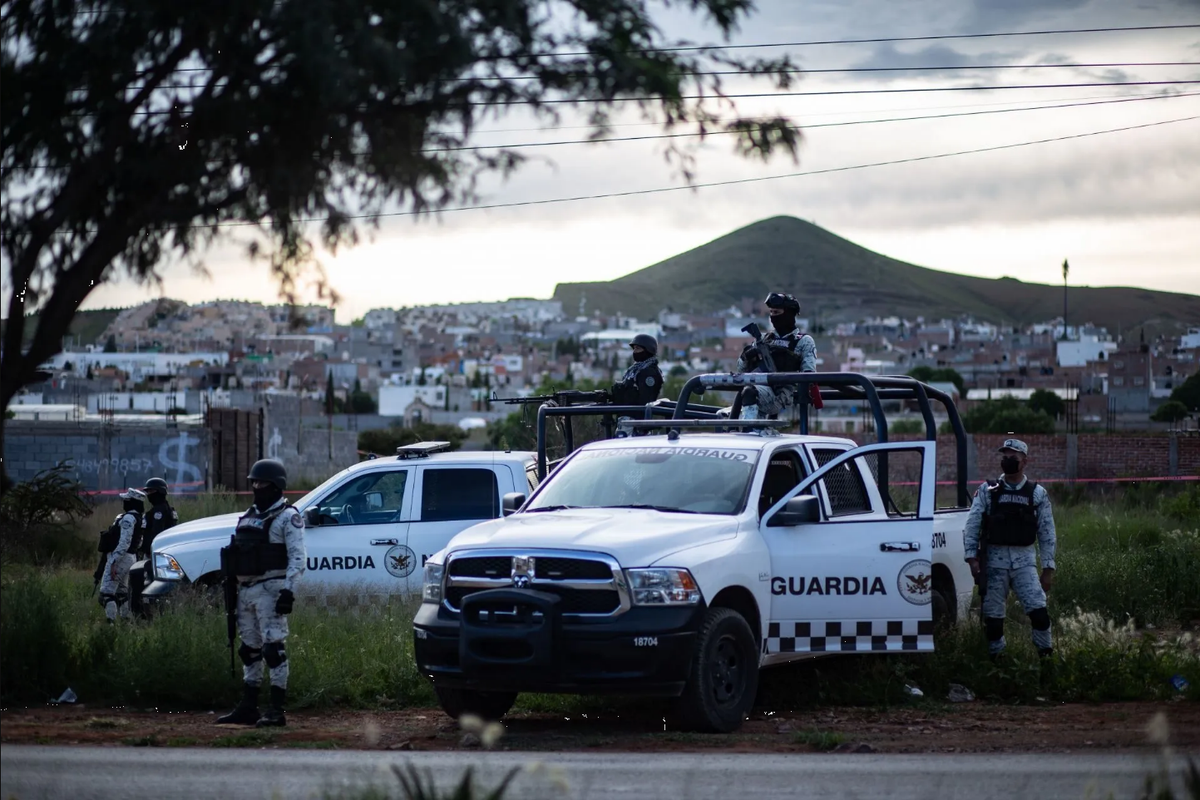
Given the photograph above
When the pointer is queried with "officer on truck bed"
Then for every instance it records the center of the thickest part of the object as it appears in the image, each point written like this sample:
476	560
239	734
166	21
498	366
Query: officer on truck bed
1007	517
791	350
266	557
642	382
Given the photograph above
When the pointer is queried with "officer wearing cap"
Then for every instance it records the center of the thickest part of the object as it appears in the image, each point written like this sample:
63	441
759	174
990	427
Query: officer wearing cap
791	350
642	382
1007	518
160	517
121	541
268	557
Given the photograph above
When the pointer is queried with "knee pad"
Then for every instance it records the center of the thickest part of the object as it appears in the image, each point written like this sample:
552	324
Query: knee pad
749	396
1039	618
105	599
274	654
994	628
249	655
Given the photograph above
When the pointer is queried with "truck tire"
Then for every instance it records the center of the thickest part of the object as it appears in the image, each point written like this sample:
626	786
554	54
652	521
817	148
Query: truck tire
489	705
724	675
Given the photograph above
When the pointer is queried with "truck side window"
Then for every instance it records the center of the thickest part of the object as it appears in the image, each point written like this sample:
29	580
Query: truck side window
783	473
532	477
843	485
450	494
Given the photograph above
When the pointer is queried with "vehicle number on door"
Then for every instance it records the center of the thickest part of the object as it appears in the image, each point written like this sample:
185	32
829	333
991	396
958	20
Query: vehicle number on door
645	641
939	540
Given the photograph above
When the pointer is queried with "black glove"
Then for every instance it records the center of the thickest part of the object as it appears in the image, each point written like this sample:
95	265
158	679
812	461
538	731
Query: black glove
750	355
285	602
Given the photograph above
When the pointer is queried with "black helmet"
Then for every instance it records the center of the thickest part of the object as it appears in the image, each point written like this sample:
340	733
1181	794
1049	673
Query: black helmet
271	470
647	341
155	485
783	301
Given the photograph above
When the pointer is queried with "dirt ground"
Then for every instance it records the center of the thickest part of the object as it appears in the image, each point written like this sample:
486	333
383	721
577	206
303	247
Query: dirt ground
962	728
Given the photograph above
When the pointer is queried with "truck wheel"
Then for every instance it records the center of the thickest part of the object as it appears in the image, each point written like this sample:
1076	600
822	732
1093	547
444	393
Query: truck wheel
724	675
489	705
945	607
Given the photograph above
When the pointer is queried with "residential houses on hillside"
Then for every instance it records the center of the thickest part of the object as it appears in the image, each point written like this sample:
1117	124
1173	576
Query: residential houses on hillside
448	358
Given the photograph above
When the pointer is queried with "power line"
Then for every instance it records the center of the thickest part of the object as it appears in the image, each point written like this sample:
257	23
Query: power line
760	95
801	128
739	181
811	71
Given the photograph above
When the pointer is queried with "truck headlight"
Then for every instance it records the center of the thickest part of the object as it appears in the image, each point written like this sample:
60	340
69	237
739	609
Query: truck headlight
431	592
166	568
663	587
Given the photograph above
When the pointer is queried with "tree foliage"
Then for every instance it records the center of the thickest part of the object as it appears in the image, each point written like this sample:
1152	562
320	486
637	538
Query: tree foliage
1170	411
1188	393
1047	402
384	441
131	135
1006	415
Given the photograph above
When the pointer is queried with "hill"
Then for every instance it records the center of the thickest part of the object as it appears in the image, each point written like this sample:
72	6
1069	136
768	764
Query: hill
87	325
836	279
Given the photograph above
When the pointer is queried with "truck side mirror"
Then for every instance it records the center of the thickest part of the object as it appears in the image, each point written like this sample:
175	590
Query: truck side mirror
800	510
511	502
312	517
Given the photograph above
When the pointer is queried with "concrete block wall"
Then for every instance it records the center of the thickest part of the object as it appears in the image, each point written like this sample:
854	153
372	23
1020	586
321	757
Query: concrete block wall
106	457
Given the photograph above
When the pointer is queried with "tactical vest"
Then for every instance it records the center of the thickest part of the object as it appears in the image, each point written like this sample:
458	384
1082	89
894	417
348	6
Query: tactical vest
251	549
154	526
1012	517
112	537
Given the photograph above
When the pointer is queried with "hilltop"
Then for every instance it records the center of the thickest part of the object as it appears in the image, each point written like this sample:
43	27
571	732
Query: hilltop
838	279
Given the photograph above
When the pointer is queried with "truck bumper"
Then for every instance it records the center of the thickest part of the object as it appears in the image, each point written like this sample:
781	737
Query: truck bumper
158	591
645	651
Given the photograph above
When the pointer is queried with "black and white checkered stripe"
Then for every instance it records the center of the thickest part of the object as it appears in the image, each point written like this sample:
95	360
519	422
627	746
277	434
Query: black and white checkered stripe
793	636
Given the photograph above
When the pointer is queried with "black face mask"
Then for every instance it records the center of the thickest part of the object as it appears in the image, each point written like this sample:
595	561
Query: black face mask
266	497
1010	465
133	505
157	498
642	356
784	323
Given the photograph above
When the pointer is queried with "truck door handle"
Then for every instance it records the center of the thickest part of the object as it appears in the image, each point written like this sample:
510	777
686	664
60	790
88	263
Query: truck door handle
384	542
900	547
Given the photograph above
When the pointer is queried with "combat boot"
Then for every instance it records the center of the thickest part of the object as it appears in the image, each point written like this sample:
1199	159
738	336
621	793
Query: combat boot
273	717
246	712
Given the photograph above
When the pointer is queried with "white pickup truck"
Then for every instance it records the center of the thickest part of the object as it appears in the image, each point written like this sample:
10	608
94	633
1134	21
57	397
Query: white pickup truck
678	565
371	526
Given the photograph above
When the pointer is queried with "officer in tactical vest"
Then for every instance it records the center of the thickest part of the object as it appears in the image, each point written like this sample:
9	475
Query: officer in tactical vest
791	350
266	557
1007	518
160	517
121	541
642	381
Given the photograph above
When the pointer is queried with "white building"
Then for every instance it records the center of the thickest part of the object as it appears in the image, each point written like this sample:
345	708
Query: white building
139	366
393	400
1191	339
1077	353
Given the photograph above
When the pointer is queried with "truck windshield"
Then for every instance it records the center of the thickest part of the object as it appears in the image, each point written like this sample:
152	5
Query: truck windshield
698	480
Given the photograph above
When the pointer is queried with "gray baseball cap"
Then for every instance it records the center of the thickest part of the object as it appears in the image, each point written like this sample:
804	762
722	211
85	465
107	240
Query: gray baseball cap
1014	444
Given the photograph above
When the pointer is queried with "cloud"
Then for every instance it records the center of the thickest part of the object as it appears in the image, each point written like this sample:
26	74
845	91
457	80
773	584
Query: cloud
889	56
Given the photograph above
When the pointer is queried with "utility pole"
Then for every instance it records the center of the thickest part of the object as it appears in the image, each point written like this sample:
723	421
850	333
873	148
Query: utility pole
1066	269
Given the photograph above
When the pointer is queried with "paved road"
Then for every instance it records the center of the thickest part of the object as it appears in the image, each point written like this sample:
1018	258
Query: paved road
95	773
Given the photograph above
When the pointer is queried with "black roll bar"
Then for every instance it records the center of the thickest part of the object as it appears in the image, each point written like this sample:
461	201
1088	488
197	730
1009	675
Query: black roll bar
850	386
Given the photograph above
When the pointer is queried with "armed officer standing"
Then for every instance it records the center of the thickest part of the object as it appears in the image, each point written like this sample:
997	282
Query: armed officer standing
121	542
1010	515
643	380
267	556
791	350
160	517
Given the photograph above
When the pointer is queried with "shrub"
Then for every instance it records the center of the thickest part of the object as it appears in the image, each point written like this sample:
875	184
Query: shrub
37	519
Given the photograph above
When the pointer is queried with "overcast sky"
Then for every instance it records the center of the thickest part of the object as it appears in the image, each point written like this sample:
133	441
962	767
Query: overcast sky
1123	207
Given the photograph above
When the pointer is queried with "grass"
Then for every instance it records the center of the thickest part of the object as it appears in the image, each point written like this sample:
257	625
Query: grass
247	739
1125	563
819	740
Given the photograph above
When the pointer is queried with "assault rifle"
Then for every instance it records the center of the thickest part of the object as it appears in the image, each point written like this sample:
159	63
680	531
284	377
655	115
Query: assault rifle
567	397
760	347
229	587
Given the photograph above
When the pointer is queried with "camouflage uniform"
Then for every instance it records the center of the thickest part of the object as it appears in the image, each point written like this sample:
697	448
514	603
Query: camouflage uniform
114	585
801	349
1013	566
262	630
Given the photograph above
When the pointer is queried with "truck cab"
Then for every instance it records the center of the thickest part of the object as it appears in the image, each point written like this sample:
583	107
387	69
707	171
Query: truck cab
679	563
371	526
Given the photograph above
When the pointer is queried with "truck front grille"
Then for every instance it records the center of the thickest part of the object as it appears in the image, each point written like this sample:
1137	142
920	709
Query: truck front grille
590	585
